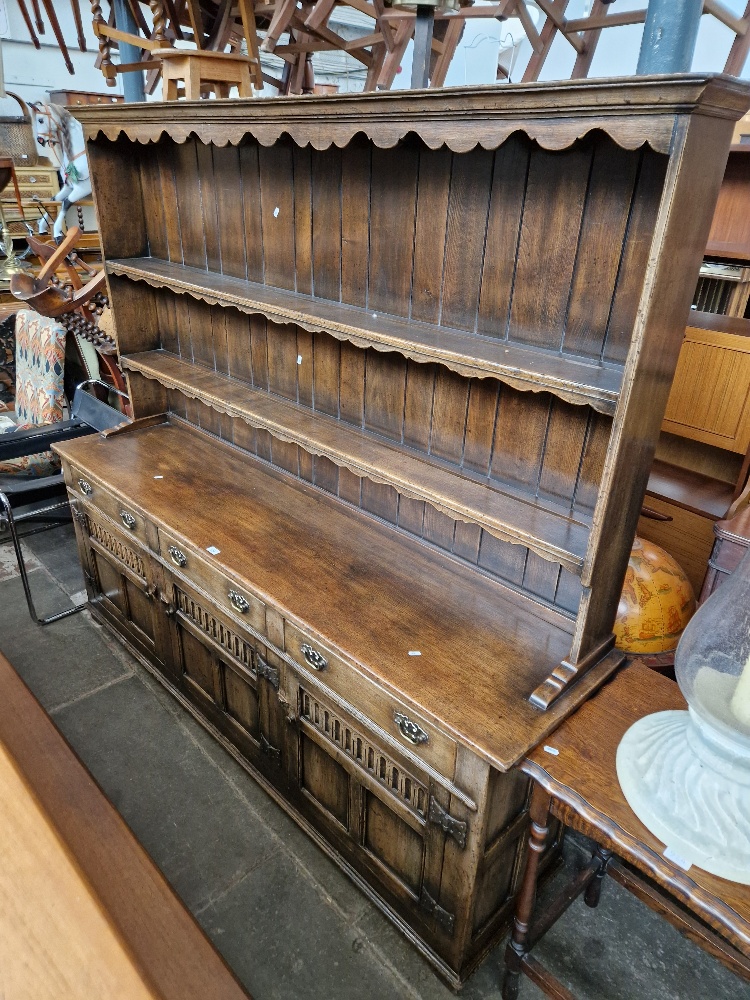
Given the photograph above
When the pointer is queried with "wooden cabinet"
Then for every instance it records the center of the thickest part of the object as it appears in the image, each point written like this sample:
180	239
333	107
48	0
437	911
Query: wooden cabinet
121	579
710	397
79	97
398	364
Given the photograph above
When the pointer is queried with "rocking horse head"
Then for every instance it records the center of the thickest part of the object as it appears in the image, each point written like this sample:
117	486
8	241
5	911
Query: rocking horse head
60	137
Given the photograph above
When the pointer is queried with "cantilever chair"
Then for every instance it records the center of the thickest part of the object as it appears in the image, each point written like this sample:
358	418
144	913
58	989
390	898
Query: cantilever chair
88	415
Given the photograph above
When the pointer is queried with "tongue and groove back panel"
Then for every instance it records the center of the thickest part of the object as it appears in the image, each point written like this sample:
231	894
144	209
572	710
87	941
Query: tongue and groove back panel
543	249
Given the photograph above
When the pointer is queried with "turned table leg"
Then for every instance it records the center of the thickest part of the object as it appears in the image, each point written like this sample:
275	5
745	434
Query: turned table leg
594	888
517	946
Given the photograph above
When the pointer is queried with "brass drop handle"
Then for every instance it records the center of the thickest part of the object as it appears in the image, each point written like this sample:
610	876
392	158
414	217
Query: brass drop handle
177	556
86	488
238	602
314	659
409	729
128	520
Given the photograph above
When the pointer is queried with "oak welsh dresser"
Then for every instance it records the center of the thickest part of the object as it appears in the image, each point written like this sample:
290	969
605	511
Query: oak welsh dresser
398	363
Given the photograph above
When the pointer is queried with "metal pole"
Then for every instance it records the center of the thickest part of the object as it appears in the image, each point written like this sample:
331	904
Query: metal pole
669	36
132	83
420	64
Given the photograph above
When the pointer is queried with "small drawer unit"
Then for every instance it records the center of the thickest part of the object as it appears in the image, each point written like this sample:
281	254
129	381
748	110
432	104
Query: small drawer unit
230	595
405	726
123	513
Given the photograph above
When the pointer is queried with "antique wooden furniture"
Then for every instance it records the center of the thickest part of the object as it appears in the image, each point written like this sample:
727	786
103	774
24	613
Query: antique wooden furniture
401	362
85	912
203	72
732	541
575	782
78	97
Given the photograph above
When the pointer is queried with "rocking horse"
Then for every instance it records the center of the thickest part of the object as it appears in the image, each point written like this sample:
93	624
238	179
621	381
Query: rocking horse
61	137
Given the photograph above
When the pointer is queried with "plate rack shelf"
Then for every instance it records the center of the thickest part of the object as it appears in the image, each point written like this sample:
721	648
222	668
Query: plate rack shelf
398	364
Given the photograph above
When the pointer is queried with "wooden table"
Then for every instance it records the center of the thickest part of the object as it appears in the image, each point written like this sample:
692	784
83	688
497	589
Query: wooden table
579	786
84	912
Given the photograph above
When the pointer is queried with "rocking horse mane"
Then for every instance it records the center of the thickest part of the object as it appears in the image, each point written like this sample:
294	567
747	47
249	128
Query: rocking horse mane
62	119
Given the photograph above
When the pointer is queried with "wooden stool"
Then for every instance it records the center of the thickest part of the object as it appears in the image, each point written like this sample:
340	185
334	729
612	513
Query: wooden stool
202	70
577	785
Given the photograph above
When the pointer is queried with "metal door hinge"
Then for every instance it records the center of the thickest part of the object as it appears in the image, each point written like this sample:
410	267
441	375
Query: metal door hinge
268	749
270	673
456	828
78	514
442	917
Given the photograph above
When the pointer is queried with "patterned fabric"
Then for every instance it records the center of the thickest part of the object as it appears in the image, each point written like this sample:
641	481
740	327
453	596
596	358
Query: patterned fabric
8	360
40	366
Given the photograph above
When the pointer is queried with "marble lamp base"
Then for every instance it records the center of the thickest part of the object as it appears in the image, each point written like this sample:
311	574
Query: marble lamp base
689	784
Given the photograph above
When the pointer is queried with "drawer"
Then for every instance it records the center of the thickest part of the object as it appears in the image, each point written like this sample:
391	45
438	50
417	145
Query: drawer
402	723
124	515
225	592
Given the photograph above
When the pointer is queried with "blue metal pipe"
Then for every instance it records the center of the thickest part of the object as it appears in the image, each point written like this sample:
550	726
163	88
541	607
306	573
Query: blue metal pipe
132	83
669	36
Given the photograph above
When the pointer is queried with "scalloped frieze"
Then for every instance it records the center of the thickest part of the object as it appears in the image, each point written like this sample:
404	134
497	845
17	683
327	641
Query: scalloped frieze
632	111
459	137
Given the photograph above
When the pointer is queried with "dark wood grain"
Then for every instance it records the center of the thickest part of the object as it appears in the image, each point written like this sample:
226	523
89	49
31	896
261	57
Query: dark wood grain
393	201
577	379
595	796
553	208
326	219
430	233
422	591
228	193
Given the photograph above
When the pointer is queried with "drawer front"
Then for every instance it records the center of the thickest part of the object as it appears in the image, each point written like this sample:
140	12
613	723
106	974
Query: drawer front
125	515
228	595
39	190
402	723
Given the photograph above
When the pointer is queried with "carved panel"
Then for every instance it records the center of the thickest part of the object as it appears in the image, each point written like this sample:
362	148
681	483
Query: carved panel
365	754
227	638
113	544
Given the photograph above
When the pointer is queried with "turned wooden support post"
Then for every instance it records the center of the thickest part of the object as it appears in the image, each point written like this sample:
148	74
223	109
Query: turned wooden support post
105	63
517	947
160	23
594	888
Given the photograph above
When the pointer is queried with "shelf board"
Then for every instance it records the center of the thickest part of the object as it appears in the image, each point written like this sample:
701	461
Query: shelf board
691	490
575	380
556	536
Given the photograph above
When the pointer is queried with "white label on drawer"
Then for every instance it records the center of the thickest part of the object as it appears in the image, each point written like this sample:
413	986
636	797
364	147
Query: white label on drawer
299	359
276	212
415	652
677	859
553	751
158	477
213	550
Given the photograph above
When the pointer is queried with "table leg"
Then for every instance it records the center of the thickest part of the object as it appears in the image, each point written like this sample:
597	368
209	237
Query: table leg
594	888
517	948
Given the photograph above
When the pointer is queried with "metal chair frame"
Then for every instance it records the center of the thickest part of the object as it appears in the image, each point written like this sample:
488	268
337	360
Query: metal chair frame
89	415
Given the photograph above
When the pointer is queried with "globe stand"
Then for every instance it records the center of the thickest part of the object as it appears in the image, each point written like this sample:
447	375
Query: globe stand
689	783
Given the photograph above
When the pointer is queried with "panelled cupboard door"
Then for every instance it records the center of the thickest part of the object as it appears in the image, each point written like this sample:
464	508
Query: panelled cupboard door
373	806
120	581
226	673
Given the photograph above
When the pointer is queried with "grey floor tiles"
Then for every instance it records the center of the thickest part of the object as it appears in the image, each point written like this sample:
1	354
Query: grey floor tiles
287	920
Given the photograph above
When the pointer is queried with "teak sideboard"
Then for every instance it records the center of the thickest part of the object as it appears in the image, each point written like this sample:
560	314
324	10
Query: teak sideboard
398	364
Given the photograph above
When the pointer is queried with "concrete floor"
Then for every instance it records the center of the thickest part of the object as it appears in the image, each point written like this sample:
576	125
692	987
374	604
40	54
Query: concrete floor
282	915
